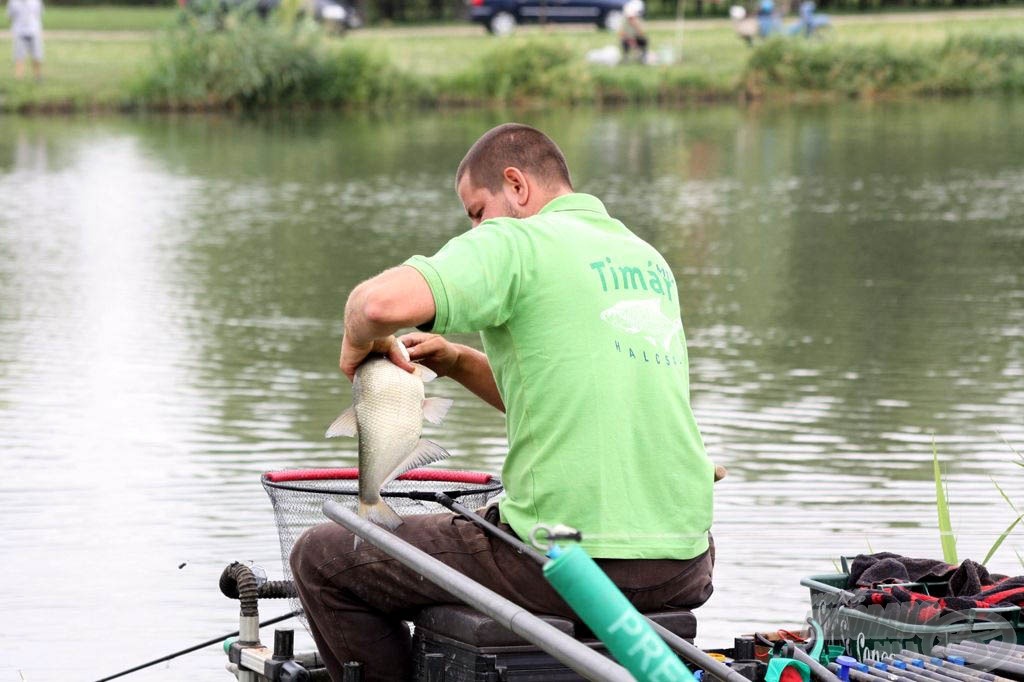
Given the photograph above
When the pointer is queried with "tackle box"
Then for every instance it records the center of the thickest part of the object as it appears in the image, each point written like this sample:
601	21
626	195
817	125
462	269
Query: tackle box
869	632
459	644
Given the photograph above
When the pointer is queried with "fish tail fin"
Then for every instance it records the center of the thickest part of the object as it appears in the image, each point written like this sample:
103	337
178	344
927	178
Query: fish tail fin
381	514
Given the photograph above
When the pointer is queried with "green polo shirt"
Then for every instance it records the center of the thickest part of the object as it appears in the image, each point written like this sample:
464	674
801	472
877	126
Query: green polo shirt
580	320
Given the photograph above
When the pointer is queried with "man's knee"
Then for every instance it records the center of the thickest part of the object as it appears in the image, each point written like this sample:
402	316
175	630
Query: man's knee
298	557
312	550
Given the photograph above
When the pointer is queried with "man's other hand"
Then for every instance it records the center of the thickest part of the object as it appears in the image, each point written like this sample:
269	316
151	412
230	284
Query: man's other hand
432	350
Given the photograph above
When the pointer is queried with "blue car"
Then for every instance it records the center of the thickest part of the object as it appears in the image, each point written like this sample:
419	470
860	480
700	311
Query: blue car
501	17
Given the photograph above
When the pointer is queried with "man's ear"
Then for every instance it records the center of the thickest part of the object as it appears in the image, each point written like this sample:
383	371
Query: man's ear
516	185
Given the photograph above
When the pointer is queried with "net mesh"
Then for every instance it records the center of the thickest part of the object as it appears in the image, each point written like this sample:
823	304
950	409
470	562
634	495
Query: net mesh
298	497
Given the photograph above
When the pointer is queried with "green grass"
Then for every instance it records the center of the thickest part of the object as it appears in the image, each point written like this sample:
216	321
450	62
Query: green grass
79	74
110	57
107	18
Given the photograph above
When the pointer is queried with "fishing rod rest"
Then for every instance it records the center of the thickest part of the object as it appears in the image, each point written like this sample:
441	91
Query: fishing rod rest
247	657
260	663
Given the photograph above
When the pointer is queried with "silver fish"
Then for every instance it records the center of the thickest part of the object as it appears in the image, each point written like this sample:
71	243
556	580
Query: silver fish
643	317
387	413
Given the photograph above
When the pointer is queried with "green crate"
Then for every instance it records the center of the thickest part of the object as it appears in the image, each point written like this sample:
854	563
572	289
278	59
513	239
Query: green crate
869	633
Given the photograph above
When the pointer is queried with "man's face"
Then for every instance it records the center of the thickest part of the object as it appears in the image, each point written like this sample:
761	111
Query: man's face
481	203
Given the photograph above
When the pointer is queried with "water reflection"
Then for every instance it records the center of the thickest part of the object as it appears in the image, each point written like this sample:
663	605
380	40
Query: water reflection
170	298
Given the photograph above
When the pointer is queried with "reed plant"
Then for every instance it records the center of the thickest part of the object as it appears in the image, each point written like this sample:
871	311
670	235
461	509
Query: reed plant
1020	515
947	538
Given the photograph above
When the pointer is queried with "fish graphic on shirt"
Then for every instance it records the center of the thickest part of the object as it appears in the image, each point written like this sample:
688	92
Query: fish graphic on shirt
643	317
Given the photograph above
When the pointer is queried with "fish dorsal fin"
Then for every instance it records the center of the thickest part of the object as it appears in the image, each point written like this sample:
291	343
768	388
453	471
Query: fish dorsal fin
426	452
434	409
344	425
402	349
425	374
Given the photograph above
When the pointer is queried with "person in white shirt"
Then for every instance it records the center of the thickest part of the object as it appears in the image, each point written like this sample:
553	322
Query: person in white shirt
631	33
27	34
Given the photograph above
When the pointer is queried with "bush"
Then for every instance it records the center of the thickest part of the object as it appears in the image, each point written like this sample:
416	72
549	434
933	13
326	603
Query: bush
972	63
969	63
357	76
237	61
852	70
520	69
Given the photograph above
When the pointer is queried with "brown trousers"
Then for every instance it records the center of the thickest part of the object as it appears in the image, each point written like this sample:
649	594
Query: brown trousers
356	599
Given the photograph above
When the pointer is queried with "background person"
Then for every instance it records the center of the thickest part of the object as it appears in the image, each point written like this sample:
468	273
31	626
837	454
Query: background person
631	32
585	353
27	34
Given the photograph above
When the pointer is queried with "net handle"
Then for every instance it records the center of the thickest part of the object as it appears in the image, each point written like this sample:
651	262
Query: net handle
352	473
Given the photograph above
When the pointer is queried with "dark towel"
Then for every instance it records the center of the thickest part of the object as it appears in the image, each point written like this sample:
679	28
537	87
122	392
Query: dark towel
886	567
969	585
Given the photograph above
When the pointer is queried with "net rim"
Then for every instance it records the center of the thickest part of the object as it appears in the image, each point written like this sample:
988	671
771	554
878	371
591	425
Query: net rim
292	479
352	473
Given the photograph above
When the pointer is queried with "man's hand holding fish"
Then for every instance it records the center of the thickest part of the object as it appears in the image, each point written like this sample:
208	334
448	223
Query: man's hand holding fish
376	309
463	364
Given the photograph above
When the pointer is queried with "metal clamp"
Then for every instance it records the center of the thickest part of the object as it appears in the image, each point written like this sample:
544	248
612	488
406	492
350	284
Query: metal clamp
552	534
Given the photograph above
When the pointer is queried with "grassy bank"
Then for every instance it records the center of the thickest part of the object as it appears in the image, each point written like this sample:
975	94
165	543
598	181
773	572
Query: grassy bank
267	65
109	19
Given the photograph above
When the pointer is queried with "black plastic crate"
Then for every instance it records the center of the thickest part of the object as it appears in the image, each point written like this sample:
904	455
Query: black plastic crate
440	659
458	644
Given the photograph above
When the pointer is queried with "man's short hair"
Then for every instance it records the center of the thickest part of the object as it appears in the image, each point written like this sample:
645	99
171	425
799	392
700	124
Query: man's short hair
519	146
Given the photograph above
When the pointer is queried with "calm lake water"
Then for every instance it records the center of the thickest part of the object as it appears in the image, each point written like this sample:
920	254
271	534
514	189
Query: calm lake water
852	284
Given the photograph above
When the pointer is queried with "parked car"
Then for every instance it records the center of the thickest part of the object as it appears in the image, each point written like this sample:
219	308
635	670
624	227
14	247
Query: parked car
336	15
501	17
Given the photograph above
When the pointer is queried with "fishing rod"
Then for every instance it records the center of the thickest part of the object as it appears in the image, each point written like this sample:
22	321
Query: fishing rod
978	654
958	673
817	669
209	642
687	650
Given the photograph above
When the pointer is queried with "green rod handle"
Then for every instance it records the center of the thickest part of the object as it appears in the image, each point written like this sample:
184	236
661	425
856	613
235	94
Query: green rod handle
607	612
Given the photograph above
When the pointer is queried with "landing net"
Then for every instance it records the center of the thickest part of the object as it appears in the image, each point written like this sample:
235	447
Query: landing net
298	497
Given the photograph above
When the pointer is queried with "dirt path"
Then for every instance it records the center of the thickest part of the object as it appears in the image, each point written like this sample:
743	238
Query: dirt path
467	29
99	36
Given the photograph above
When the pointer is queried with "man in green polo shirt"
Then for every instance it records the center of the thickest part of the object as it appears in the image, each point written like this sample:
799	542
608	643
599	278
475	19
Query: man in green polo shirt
584	351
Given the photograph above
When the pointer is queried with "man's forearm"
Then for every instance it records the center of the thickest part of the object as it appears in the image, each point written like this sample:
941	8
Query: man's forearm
360	326
392	300
473	370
